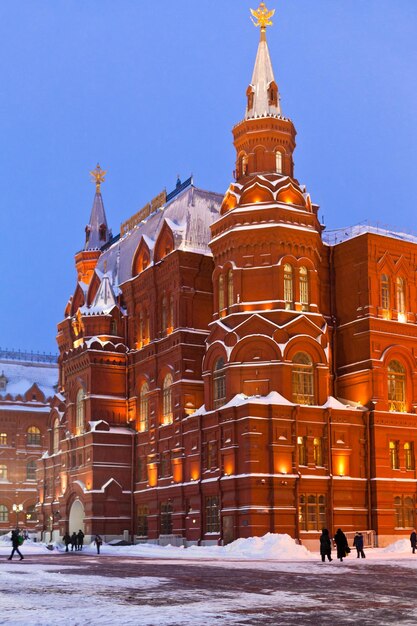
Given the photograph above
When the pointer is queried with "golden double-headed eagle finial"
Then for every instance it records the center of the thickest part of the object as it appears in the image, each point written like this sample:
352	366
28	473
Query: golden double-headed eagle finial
98	175
262	16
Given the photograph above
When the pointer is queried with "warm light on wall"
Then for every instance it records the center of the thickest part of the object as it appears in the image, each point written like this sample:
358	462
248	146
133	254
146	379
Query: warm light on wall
386	314
177	471
152	475
229	468
341	467
402	318
195	474
78	342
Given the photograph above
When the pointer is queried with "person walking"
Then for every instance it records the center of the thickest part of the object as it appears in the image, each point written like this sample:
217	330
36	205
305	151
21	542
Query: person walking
17	541
98	541
341	544
67	540
80	539
358	544
413	540
325	545
74	541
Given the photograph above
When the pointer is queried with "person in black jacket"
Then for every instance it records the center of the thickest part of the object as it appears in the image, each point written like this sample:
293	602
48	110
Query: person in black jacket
413	540
15	544
341	544
325	545
358	544
74	541
67	540
80	539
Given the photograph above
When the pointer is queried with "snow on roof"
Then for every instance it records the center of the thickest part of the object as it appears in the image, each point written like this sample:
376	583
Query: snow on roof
21	375
339	235
189	215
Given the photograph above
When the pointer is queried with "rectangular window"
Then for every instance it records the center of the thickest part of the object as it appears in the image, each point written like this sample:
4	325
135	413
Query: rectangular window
212	455
3	472
302	450
212	514
165	469
166	518
394	456
312	512
404	512
142	521
318	451
3	439
409	455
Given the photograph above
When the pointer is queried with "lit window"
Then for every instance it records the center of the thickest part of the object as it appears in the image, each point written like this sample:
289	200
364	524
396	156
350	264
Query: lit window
302	379
385	299
3	439
167	416
393	454
244	163
304	295
4	513
144	408
409	455
34	436
401	295
31	470
56	436
396	387
79	412
312	512
3	472
230	294
278	162
288	287
221	292
318	451
219	383
404	512
212	514
302	450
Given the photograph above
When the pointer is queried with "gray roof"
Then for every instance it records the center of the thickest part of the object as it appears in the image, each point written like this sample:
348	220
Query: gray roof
189	215
21	375
97	220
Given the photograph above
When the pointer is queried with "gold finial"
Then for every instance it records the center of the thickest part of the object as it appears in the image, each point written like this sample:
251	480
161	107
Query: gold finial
98	176
262	17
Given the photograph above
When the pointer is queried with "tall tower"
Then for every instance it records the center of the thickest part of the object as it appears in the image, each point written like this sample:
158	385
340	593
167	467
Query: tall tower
268	255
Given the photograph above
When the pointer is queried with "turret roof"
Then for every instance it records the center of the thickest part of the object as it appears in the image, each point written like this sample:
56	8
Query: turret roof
97	230
263	76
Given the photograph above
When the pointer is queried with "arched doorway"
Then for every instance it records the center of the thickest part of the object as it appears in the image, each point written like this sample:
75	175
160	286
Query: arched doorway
76	517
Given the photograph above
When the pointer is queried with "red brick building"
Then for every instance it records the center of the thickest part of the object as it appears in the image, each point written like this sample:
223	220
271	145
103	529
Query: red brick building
27	384
226	370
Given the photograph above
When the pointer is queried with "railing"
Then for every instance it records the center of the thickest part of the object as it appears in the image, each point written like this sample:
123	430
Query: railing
33	357
369	538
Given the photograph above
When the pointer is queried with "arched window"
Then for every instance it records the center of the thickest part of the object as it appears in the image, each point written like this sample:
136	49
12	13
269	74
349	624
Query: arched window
167	416
164	316
219	383
34	436
230	294
304	290
4	513
3	472
302	379
221	292
56	437
409	455
396	387
385	299
400	295
79	412
144	408
31	470
278	162
288	287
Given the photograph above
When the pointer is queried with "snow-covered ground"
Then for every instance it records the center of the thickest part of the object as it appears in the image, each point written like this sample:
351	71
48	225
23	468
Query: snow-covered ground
39	591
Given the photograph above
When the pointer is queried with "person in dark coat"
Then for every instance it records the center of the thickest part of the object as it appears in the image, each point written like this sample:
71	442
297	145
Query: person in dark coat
80	539
413	540
98	541
341	544
16	542
325	545
74	541
67	540
358	544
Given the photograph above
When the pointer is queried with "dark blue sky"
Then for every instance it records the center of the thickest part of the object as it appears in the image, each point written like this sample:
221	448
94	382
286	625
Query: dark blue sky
152	89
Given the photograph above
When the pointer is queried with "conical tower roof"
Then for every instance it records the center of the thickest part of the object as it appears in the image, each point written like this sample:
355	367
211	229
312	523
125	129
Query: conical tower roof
97	231
263	96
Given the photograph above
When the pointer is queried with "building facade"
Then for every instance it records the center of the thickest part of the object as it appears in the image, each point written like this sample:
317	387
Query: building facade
227	369
27	384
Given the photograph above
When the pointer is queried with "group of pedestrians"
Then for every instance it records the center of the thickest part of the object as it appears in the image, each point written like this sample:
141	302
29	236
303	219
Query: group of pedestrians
76	541
341	543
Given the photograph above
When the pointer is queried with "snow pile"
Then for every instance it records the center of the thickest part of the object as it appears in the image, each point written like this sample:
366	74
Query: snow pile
270	546
402	545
